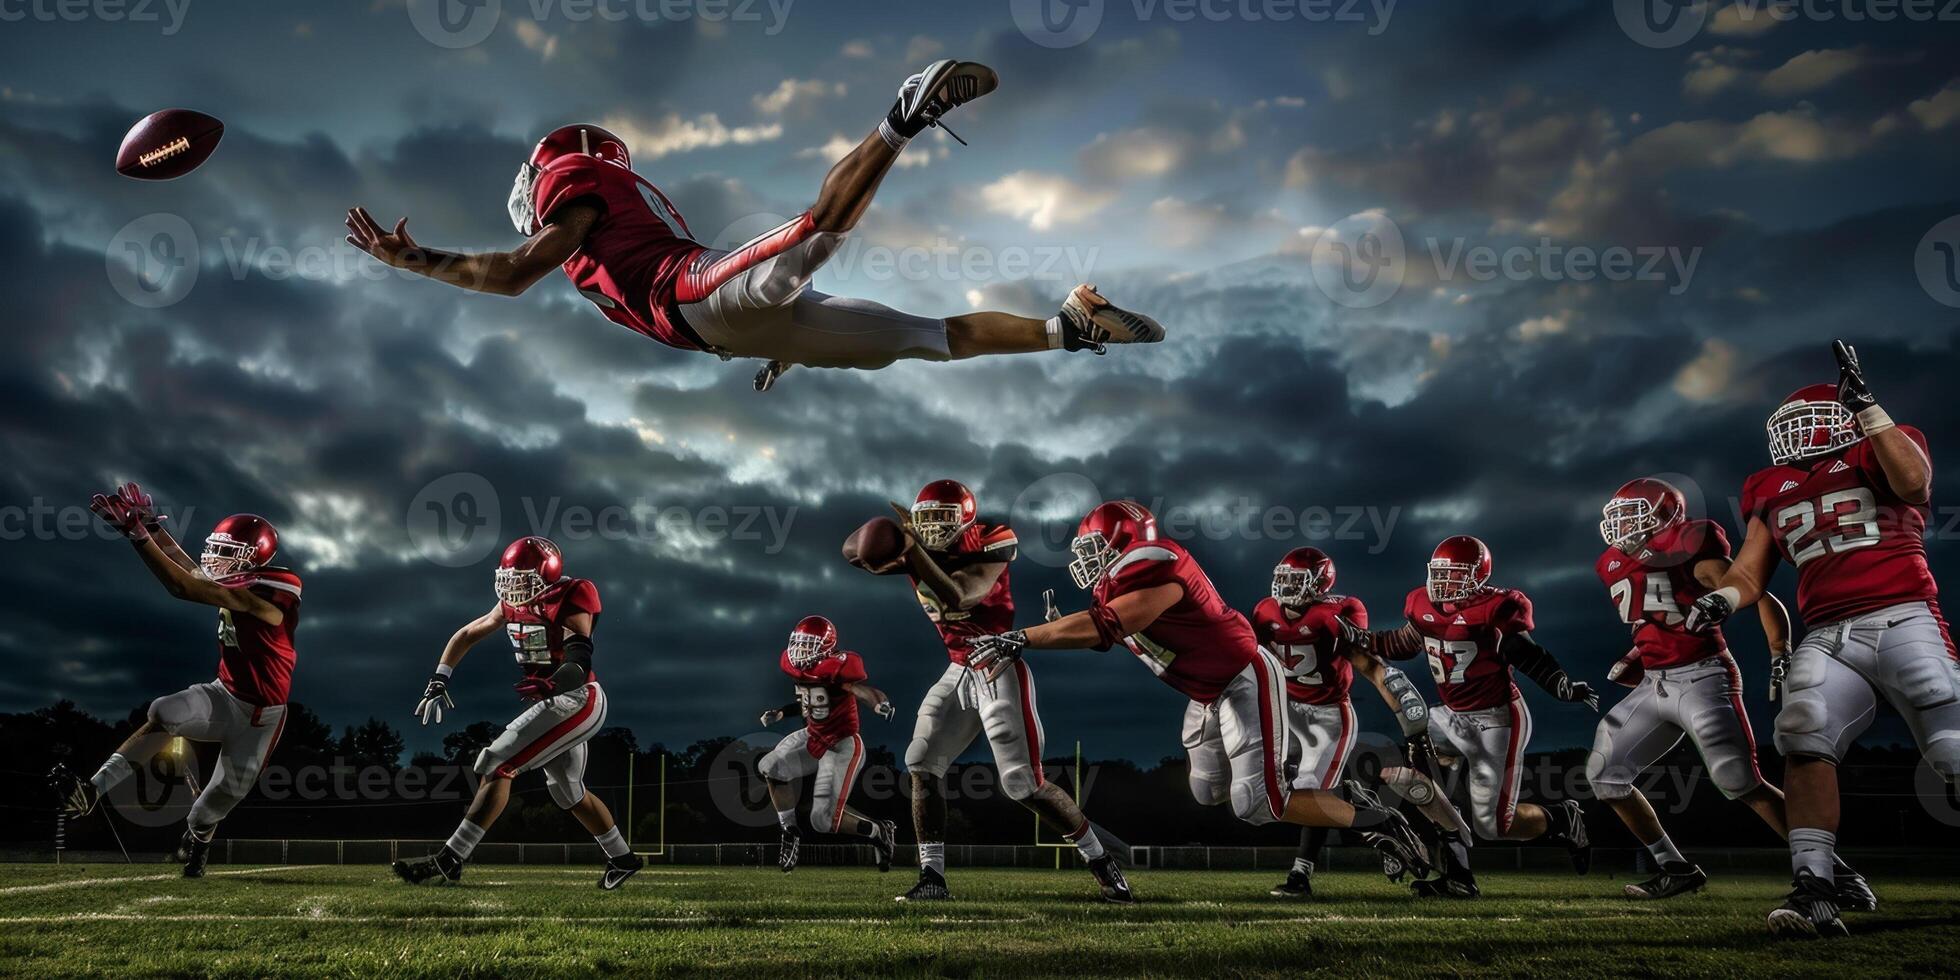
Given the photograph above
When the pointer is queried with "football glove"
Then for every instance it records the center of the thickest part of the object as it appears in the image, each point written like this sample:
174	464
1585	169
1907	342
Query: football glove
141	506
772	716
986	652
1048	611
1852	390
1352	638
1419	750
886	710
1708	612
435	699
116	513
1577	692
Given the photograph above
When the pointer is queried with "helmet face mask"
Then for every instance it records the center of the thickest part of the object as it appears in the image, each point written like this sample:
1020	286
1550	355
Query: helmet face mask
529	568
523	211
1093	556
225	556
1294	586
1806	426
810	642
1458	569
519	586
937	525
1627	522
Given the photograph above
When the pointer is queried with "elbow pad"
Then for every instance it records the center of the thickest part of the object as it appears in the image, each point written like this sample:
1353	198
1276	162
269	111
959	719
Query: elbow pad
1109	626
1412	712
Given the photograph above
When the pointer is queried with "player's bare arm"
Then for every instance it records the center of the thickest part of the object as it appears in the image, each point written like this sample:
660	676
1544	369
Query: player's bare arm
880	704
1907	470
1742	583
189	584
1134	611
498	273
1776	618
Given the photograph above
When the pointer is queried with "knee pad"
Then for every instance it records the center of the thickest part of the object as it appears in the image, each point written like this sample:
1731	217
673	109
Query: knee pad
1249	802
1489	822
1019	783
486	764
1802	726
1609	790
917	759
1208	789
169	712
566	795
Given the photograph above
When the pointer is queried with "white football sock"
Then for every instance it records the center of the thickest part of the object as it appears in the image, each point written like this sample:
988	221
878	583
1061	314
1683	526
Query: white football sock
1665	853
891	136
1815	850
787	818
465	839
613	842
932	856
113	772
1087	843
1303	866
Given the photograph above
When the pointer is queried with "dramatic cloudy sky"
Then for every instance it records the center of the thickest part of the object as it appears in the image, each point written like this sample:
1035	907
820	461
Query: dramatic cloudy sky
1599	251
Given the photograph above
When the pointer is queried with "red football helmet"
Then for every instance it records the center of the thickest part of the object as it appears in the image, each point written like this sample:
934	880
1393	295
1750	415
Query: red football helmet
1811	422
1102	536
943	512
813	639
1305	574
1638	509
239	544
528	568
1458	569
581	138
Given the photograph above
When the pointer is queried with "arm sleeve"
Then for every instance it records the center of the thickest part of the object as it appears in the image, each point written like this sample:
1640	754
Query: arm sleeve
1533	661
1109	627
1402	643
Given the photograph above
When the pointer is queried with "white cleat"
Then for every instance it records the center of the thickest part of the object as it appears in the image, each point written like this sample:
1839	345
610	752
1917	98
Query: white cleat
942	87
1096	322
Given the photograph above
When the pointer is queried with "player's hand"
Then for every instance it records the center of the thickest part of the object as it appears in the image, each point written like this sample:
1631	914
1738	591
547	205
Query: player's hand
984	653
772	716
1779	670
1352	638
435	698
1708	612
1852	391
1418	749
1048	611
534	688
904	521
391	247
1578	692
885	710
116	513
141	505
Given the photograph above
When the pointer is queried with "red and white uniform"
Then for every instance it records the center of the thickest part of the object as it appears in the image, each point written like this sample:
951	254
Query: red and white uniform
828	744
1688	683
1483	719
244	710
962	703
1869	604
551	734
1235	726
636	255
1320	716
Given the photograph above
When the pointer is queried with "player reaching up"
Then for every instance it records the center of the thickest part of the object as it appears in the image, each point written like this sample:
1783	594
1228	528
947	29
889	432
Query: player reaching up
625	248
1149	594
1300	626
244	710
1845	500
549	619
829	681
958	567
1656	564
1475	635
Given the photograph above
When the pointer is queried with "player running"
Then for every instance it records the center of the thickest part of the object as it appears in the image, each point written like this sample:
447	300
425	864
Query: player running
1656	564
1300	626
549	619
829	682
244	710
625	248
1845	501
958	567
1475	635
1149	594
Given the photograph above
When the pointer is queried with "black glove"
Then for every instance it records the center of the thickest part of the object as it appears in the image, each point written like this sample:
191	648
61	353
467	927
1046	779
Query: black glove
1852	391
1708	612
1578	692
1352	638
1419	750
985	652
435	698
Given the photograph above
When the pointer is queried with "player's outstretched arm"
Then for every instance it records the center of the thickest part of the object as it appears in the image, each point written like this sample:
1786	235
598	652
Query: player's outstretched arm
1906	467
498	273
1534	661
189	584
1096	628
774	715
1401	696
880	704
1741	584
1776	618
144	509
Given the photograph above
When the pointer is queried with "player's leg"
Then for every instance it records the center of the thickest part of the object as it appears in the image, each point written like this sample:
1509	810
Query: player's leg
1637	733
782	768
248	735
1206	766
830	801
947	723
1320	737
1827	704
922	99
187	713
1497	773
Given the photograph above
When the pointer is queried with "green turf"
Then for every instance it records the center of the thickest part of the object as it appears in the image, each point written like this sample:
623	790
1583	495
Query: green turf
358	921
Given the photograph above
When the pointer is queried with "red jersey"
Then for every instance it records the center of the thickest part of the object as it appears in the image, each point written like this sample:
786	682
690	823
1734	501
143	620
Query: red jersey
1195	646
1654	587
1463	641
635	253
256	658
994	613
1856	545
830	710
538	632
1304	645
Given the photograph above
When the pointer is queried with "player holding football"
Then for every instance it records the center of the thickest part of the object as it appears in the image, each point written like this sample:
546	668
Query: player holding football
1475	635
958	567
244	710
829	682
1656	564
548	618
1300	626
1845	501
625	248
1149	594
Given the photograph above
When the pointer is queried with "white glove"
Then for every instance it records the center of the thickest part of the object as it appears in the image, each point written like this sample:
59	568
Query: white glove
886	710
435	698
984	652
772	716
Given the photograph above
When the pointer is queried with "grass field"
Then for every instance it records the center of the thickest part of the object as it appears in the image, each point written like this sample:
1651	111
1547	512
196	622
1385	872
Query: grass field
505	920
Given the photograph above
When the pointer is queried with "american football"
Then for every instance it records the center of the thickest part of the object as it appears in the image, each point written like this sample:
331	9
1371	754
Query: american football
168	144
1371	489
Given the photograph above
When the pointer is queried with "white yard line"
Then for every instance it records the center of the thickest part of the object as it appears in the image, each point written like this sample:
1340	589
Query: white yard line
124	880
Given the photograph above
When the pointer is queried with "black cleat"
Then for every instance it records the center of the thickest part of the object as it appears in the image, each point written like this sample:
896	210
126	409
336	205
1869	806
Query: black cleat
442	866
1810	911
771	373
1451	885
1115	887
1577	841
78	796
883	843
619	869
931	888
1676	878
791	847
1403	854
1854	892
1298	884
192	854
